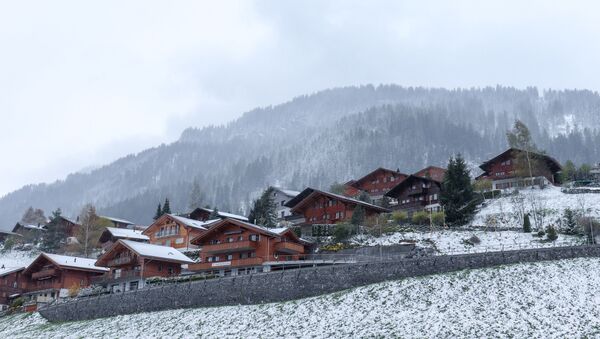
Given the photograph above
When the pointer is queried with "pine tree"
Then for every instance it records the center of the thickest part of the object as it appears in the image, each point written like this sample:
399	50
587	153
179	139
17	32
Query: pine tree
569	221
166	207
358	215
196	196
55	236
526	224
214	214
159	212
457	195
263	210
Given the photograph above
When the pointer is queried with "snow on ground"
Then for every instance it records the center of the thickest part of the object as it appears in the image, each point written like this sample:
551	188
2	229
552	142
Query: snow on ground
452	241
532	300
550	199
15	259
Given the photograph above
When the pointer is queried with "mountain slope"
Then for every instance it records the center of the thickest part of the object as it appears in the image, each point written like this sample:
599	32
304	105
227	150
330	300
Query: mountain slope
328	136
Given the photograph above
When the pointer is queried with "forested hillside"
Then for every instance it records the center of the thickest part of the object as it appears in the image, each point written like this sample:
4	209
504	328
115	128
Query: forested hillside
317	139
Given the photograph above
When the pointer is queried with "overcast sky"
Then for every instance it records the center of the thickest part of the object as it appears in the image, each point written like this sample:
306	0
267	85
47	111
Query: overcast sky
84	83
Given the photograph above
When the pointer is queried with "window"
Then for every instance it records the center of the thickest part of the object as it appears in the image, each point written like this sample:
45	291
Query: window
241	238
229	257
229	239
254	237
133	285
171	270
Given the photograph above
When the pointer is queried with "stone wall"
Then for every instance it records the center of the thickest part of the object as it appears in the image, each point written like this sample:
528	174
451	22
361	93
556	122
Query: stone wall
292	284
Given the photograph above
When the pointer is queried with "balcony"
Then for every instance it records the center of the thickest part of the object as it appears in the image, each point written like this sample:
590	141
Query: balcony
45	274
289	247
226	264
227	247
111	278
121	261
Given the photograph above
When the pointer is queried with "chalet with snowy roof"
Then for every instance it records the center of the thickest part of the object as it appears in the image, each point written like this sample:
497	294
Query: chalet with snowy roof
376	183
132	262
320	207
5	234
417	193
119	223
233	247
51	276
505	172
11	285
204	214
280	197
112	234
27	230
176	231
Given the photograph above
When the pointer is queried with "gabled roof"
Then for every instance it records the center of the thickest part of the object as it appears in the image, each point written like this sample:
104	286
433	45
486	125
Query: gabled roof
272	232
221	214
29	227
552	163
433	172
68	262
9	270
125	233
358	182
117	220
186	222
404	183
69	220
286	192
309	193
149	251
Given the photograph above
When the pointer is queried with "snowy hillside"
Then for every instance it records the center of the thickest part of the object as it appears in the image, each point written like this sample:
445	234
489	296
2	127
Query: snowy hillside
505	210
540	300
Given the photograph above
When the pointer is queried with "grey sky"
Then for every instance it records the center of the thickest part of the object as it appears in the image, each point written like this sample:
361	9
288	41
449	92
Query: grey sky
83	83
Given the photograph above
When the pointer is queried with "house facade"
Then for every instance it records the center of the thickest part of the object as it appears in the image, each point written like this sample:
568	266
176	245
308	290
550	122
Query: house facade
51	276
119	223
376	183
175	231
280	197
204	214
503	170
11	285
130	263
111	235
233	247
416	193
320	207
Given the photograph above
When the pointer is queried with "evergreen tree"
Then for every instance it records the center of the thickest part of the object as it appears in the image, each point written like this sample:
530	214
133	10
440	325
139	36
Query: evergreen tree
358	215
55	236
457	192
526	224
569	171
365	197
263	210
196	196
214	214
551	233
385	202
569	221
159	212
166	207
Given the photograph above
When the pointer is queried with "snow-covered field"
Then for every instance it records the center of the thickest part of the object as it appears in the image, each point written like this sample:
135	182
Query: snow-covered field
452	241
550	199
535	300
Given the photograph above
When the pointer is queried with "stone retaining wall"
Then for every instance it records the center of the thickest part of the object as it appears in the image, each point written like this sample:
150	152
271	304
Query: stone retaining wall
292	284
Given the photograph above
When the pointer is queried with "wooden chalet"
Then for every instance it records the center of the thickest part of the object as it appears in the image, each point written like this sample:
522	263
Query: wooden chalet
376	183
50	276
176	231
320	207
433	172
119	223
234	247
417	193
204	214
501	170
112	234
29	231
130	263
11	285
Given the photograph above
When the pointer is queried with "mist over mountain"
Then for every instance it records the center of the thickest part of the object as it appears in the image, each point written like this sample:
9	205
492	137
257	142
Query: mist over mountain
333	135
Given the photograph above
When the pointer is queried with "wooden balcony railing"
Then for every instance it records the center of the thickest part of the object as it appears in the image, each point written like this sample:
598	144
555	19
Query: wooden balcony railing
45	273
109	278
289	247
226	264
120	261
236	246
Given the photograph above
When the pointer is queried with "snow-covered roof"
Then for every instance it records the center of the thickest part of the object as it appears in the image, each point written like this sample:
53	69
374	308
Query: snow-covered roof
74	262
117	220
35	227
126	233
8	270
203	225
156	251
229	215
289	193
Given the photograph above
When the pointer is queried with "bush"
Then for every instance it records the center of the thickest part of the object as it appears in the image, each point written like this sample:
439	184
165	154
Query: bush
438	218
17	303
420	217
342	232
541	233
400	217
551	234
473	240
74	290
527	224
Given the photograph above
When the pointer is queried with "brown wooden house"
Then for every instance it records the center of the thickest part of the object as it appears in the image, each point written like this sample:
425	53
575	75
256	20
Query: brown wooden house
320	207
376	183
416	193
176	231
11	285
502	170
232	247
204	214
50	276
132	262
112	234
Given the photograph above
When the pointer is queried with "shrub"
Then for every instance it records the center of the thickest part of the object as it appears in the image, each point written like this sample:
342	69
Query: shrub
473	240
420	217
17	303
551	234
570	225
527	224
342	232
400	217
438	218
74	290
541	233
